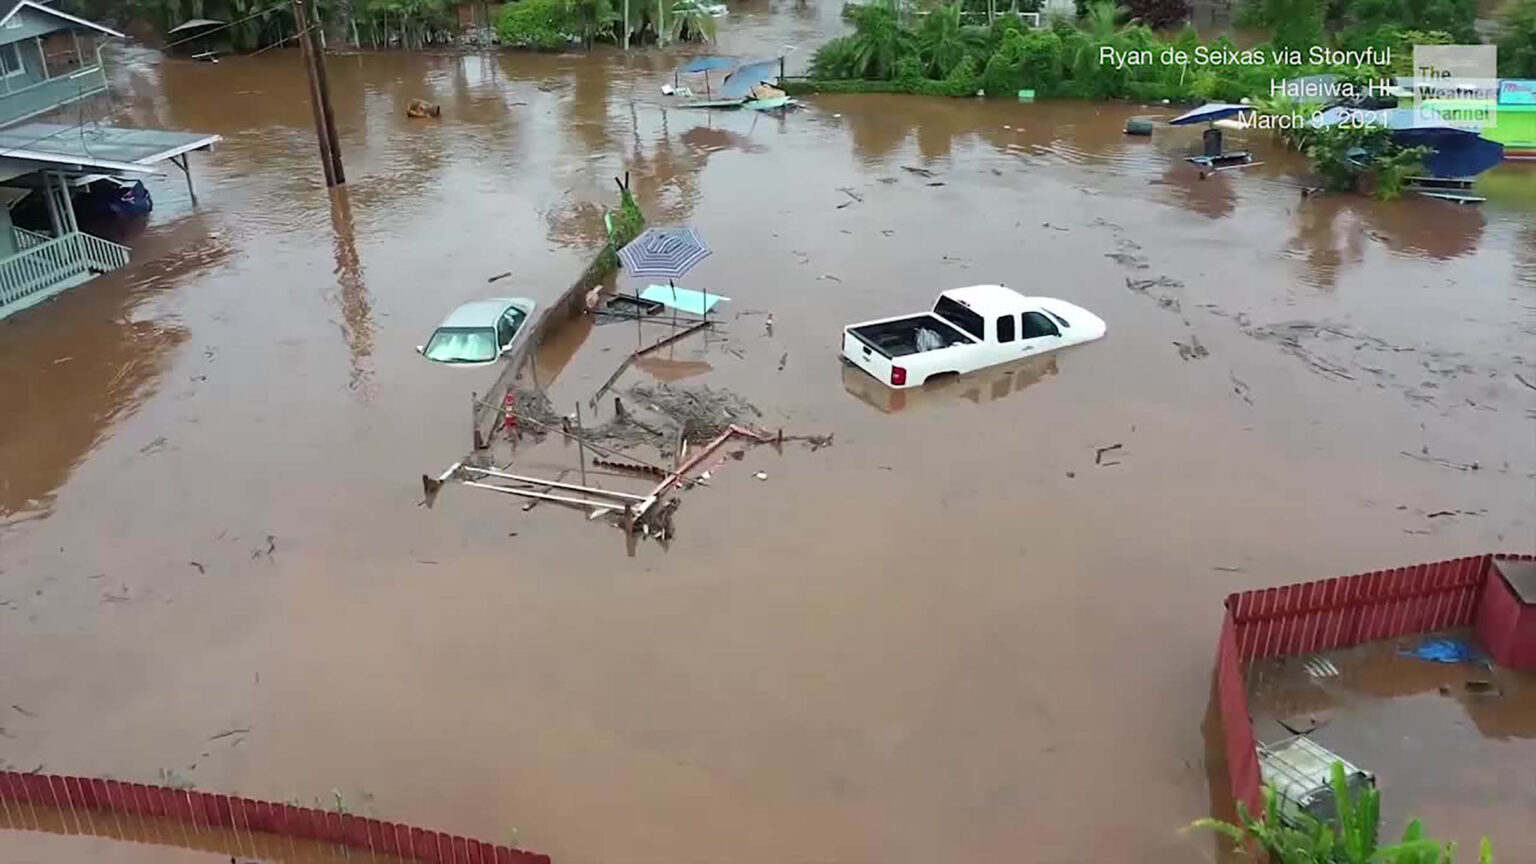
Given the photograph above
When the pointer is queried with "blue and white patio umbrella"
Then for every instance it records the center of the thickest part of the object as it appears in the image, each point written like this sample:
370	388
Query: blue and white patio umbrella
664	253
1210	113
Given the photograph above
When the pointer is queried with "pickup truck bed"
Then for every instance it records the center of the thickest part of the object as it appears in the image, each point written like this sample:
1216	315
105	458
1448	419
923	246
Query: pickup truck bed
898	337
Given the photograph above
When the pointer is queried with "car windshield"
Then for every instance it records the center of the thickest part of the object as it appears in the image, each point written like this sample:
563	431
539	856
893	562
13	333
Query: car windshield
462	345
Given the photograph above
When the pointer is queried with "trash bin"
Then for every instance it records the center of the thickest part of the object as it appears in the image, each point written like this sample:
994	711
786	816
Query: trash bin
1212	139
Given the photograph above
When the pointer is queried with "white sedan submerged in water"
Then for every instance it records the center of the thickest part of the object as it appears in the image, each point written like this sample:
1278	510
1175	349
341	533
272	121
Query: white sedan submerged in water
479	332
968	329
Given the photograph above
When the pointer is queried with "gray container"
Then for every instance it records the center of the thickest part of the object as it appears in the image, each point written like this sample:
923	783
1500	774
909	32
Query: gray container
1301	771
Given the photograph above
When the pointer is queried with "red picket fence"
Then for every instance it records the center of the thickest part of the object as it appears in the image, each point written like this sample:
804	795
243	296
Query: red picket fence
207	810
1332	613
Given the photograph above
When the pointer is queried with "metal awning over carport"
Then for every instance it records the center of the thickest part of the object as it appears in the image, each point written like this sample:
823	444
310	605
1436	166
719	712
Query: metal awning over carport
90	152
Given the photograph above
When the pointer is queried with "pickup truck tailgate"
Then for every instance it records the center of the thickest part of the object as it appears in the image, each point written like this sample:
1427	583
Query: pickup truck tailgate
866	357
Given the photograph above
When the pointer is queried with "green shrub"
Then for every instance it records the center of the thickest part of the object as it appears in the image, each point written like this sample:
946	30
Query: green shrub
1517	39
964	79
802	86
544	24
1298	23
1345	156
961	82
1451	16
999	30
1001	75
1040	62
1250	15
1394	40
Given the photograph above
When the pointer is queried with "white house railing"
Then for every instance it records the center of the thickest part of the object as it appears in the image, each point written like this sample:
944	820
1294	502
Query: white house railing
44	263
27	239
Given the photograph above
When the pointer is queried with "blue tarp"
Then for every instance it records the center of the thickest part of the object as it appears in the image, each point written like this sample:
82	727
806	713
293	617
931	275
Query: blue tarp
1444	651
707	64
738	83
1209	113
1457	152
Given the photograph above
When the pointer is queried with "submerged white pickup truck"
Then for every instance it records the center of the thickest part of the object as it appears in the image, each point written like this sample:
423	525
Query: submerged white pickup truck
969	329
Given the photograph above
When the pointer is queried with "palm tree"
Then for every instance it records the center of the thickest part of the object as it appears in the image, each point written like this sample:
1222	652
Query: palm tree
691	20
878	42
1101	30
596	18
943	41
1101	20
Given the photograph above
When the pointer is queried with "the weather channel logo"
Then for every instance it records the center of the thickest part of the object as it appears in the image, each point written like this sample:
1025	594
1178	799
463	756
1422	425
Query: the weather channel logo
1455	85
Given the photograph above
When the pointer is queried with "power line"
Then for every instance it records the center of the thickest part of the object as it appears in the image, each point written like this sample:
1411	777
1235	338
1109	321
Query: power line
285	40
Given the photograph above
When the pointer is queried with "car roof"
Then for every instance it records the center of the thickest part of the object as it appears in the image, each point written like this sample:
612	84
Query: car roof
482	313
988	298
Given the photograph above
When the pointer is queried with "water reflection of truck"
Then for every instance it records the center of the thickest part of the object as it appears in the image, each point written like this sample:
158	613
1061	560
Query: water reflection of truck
985	386
968	329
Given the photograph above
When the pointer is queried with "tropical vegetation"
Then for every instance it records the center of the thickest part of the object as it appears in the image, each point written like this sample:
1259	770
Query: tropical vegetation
1353	158
555	24
1517	39
1067	59
407	23
540	24
1356	17
1351	838
1108	54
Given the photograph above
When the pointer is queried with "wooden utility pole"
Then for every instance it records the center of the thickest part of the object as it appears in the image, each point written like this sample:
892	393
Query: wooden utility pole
319	99
325	108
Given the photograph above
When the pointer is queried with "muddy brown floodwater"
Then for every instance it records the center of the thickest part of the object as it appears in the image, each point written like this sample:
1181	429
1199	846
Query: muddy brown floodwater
950	636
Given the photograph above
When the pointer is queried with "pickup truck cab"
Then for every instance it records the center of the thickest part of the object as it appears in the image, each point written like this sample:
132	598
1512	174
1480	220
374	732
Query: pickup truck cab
968	329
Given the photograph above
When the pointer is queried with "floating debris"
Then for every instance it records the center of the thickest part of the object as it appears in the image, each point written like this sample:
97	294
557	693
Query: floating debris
1319	666
1192	350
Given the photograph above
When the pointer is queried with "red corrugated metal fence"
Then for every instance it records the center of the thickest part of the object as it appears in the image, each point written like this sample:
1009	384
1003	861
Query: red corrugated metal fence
1237	731
1332	613
208	810
1337	613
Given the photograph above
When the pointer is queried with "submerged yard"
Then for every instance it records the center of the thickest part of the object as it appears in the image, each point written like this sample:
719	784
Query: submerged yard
954	634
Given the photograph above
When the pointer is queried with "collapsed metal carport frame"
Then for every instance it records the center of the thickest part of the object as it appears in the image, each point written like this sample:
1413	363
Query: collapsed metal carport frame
598	501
